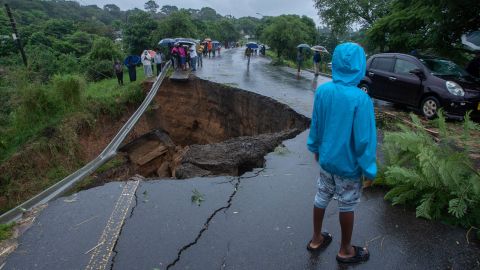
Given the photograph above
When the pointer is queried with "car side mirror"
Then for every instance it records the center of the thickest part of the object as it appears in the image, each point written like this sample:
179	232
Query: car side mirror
418	72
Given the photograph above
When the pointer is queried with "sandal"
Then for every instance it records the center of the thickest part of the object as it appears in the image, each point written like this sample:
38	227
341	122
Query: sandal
327	239
361	255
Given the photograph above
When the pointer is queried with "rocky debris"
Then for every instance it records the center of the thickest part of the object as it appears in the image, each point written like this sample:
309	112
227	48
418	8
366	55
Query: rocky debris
151	154
154	155
232	157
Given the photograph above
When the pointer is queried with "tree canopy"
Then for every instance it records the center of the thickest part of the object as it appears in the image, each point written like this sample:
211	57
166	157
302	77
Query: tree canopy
434	26
340	15
285	32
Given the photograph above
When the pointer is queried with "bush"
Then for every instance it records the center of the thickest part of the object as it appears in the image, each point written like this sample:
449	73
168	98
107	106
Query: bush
37	104
42	61
99	70
70	89
438	178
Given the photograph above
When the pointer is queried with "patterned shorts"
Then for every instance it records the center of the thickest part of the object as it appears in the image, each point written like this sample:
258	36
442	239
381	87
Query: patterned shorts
346	191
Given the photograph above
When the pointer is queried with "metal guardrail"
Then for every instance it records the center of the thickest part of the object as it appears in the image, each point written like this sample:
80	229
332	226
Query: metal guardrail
107	154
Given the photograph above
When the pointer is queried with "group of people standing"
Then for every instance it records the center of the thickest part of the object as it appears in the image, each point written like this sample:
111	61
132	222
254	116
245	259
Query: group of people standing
186	56
148	61
210	48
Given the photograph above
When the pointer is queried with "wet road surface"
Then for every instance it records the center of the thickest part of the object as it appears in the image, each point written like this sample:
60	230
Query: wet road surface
261	220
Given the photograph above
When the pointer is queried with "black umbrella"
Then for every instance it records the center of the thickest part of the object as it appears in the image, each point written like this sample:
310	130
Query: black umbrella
166	42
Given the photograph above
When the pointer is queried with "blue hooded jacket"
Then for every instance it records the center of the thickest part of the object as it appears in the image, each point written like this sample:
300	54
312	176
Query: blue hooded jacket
343	131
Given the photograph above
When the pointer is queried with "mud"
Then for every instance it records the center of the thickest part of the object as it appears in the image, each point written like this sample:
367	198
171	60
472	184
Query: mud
201	128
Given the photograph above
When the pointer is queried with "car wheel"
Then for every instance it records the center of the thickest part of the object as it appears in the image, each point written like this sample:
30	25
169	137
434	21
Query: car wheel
364	87
430	107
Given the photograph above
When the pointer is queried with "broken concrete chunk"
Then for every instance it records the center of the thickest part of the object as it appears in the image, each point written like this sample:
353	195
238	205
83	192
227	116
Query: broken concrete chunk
164	170
145	157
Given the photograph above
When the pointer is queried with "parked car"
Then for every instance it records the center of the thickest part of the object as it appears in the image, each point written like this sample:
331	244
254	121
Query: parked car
426	83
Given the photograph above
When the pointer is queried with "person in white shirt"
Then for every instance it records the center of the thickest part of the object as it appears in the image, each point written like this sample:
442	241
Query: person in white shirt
193	57
158	60
147	64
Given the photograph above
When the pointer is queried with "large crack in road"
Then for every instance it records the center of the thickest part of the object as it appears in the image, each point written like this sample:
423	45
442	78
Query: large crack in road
237	181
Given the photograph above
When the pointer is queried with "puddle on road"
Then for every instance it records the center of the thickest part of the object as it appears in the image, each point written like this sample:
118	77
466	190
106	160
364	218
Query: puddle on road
202	128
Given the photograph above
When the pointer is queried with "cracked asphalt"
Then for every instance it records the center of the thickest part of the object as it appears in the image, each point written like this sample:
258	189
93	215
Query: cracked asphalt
261	220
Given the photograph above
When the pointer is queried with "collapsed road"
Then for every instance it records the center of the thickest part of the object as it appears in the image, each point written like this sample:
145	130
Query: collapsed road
257	220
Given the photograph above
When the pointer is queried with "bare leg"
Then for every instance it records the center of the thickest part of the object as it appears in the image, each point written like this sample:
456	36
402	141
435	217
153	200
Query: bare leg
346	223
317	238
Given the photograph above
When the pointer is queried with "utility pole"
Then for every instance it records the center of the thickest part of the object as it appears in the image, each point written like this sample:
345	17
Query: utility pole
15	35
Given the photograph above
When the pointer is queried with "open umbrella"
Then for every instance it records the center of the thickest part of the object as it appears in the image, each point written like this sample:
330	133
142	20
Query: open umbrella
319	48
166	42
184	41
151	53
472	40
208	39
303	46
252	45
132	59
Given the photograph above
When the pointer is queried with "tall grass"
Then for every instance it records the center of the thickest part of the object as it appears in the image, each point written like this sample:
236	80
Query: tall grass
37	107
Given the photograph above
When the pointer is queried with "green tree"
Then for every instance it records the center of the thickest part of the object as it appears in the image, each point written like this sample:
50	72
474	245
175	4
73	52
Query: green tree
104	49
226	31
208	14
178	24
58	28
137	33
340	15
81	42
285	32
151	6
167	10
247	25
428	25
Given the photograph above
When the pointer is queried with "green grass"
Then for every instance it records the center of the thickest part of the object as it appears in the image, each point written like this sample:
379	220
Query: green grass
48	118
6	231
39	107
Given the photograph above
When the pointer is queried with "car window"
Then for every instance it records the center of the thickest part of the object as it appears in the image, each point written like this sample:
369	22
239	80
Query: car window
383	63
404	66
440	67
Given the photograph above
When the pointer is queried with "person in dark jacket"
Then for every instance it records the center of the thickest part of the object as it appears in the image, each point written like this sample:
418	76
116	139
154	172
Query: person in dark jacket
132	70
316	62
118	68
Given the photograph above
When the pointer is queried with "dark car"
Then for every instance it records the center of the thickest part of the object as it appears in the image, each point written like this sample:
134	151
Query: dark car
426	83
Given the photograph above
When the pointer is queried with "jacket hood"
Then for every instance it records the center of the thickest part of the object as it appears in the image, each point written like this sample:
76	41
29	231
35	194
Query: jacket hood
349	64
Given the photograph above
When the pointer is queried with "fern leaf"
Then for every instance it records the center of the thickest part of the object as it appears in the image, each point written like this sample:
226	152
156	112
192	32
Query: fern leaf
425	208
457	207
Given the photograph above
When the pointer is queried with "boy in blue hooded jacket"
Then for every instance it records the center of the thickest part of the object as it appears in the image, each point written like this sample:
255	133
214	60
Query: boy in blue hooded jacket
343	140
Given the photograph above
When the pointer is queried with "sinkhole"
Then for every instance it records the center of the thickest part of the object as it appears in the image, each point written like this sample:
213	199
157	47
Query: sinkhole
200	128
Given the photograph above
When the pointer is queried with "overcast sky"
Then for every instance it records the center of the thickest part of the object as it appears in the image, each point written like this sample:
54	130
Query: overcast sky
237	8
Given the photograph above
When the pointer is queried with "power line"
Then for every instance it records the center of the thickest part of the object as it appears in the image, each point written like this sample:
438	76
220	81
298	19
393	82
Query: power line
15	35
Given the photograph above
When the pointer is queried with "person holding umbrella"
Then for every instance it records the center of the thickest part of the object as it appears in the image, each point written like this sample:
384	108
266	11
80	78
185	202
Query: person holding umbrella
299	61
131	63
182	56
316	62
209	47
